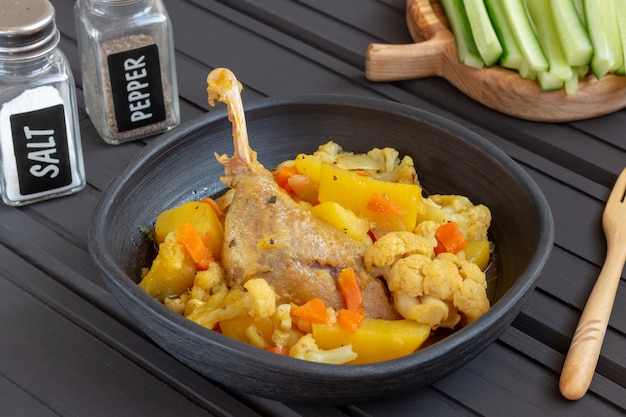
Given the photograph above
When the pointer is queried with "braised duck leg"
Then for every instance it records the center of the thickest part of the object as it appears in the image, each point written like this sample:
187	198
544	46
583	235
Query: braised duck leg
268	235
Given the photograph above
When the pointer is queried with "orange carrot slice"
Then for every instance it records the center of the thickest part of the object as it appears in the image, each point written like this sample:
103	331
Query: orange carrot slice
351	320
350	290
313	311
282	176
216	208
449	238
189	237
381	204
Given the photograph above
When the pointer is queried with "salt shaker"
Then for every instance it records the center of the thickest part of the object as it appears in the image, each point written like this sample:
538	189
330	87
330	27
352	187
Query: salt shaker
128	67
40	148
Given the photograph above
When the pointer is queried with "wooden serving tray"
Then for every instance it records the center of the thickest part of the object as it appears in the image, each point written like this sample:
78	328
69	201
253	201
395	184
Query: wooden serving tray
504	90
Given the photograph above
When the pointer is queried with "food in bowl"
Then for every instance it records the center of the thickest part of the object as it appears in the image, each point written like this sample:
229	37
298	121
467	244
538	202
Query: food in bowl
179	168
332	257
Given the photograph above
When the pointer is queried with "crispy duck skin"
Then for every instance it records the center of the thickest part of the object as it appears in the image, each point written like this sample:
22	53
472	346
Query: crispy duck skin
268	235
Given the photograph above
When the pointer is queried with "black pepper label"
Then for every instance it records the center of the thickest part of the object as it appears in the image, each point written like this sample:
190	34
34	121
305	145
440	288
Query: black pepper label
136	88
41	150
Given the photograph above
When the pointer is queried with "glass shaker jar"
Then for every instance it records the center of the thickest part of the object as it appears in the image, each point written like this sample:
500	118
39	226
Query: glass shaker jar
129	73
40	149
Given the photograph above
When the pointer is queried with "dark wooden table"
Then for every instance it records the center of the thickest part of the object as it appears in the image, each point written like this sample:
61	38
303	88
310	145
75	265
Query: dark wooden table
67	348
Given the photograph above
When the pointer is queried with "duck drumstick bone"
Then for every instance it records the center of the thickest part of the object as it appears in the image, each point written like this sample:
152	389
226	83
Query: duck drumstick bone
268	235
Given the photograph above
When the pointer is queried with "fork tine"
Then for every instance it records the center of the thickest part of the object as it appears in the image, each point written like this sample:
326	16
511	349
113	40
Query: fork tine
614	216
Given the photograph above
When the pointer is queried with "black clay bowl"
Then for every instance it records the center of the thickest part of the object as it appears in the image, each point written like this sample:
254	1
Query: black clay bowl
450	159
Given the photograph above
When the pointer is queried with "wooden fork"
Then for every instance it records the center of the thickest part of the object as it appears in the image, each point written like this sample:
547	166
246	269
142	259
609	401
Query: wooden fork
582	357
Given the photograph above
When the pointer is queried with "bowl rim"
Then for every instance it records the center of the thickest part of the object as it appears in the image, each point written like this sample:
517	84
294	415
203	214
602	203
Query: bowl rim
511	300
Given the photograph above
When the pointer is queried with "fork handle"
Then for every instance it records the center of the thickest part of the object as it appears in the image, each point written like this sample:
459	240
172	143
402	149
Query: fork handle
584	350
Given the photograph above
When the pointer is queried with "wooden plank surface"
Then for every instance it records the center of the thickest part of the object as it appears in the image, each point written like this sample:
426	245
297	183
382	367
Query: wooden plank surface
69	350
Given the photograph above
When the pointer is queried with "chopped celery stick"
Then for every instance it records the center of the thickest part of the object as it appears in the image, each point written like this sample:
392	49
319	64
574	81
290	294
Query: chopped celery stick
520	25
614	35
582	71
598	23
620	11
526	72
581	12
571	33
482	30
571	85
541	16
548	81
466	47
511	55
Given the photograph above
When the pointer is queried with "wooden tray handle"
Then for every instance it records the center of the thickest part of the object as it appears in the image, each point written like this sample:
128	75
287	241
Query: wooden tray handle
417	60
404	62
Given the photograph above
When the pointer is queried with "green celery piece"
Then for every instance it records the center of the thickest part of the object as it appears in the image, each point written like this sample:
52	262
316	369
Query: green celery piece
582	71
484	35
614	35
519	22
571	32
526	72
571	85
581	12
548	81
601	24
467	51
545	28
511	55
620	11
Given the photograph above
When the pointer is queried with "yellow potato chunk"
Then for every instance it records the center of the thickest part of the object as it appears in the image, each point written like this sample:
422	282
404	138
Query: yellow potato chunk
342	219
376	340
354	191
309	165
203	218
248	330
477	251
172	271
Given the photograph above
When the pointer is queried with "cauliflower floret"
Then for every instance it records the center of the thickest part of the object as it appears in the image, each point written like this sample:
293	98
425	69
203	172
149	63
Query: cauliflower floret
254	337
209	313
382	164
328	152
177	304
426	309
206	283
283	325
452	278
262	298
258	301
306	348
428	289
473	220
380	256
208	287
389	167
411	266
427	228
471	298
441	278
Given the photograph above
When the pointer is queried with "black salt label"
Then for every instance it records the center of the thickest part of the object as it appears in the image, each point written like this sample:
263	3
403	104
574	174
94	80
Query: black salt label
136	88
41	150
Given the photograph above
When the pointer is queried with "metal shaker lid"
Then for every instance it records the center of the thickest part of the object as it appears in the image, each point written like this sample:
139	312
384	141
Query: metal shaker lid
27	27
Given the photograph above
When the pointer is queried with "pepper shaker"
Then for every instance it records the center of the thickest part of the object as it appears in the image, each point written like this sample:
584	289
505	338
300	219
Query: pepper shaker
40	149
128	67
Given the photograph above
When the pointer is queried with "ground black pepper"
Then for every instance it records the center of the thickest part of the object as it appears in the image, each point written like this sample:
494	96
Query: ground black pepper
129	75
